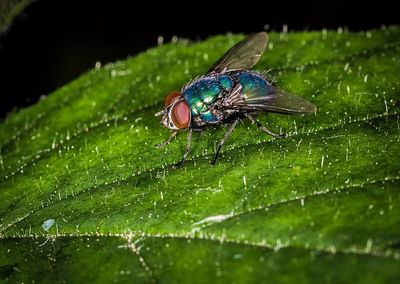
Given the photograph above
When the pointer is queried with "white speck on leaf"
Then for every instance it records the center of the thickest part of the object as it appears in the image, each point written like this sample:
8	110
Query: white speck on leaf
160	40
213	219
324	33
48	224
368	246
237	256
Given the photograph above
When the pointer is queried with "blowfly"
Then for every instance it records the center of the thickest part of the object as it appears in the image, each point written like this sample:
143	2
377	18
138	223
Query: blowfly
228	92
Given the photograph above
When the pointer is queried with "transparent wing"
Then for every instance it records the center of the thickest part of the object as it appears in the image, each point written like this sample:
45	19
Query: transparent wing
276	101
243	55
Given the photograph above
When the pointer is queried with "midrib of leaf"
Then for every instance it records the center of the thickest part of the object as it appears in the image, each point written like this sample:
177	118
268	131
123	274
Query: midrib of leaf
202	232
221	229
209	238
270	204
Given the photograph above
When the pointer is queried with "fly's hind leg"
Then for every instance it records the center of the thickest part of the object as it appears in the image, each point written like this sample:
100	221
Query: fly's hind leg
173	134
187	148
223	140
263	128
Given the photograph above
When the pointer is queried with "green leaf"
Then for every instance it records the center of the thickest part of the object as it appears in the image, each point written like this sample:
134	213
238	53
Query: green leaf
85	195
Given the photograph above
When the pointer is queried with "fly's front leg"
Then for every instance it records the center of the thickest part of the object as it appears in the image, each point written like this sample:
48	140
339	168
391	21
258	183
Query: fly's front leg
223	140
187	148
173	134
263	128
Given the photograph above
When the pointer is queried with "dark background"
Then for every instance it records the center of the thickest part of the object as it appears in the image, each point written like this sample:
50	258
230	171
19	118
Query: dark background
53	42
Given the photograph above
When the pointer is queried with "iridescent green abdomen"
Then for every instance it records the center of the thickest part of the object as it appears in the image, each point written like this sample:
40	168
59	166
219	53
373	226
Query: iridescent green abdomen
253	84
203	93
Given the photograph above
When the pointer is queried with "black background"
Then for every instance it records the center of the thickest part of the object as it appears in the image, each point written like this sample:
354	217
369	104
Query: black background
53	42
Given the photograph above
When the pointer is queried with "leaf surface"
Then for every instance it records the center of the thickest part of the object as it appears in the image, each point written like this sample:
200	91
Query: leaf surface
84	194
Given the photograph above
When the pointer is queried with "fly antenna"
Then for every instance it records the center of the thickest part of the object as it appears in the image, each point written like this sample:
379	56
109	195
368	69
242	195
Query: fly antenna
160	113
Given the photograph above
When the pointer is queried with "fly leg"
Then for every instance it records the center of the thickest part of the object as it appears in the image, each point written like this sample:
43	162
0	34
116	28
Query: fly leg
263	128
223	140
173	134
187	148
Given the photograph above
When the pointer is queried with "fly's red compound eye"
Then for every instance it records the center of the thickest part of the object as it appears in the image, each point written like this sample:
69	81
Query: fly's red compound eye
171	96
180	115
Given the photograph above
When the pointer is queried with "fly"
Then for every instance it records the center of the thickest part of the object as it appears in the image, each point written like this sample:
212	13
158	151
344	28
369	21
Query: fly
228	92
